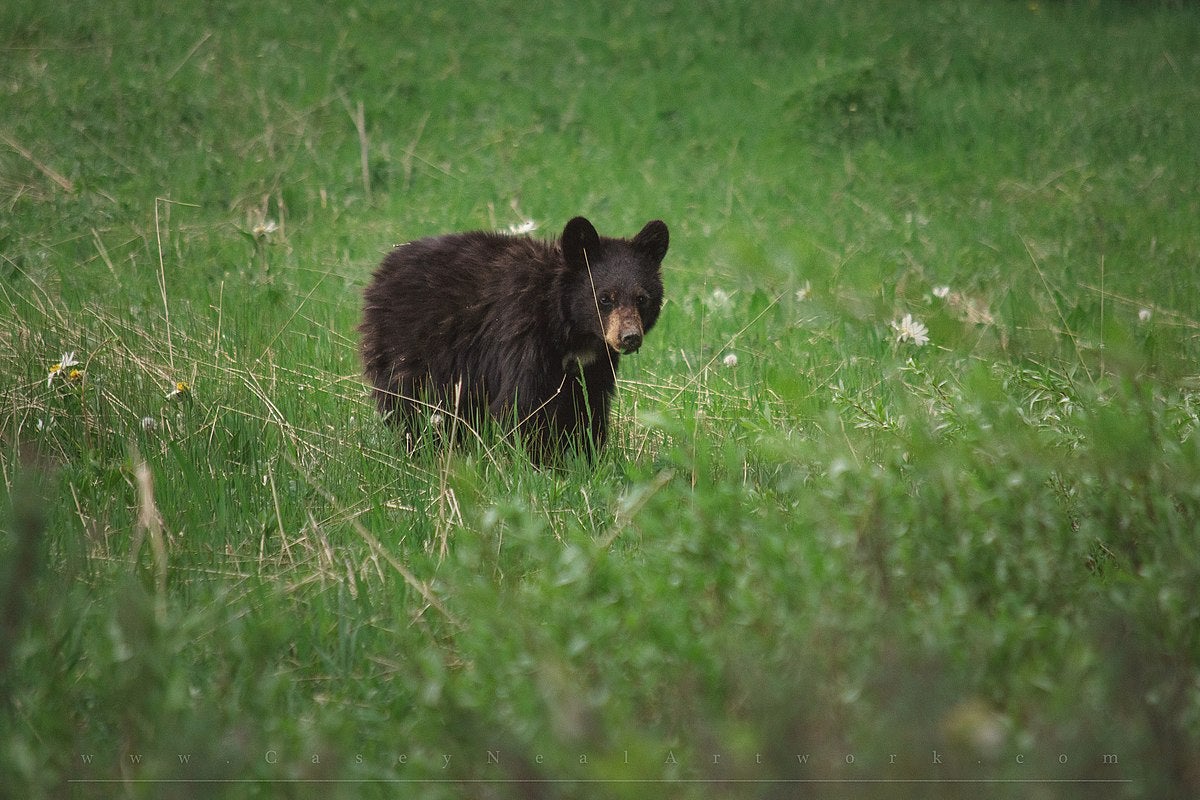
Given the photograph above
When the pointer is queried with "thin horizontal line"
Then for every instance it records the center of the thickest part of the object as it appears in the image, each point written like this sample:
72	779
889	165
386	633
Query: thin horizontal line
598	780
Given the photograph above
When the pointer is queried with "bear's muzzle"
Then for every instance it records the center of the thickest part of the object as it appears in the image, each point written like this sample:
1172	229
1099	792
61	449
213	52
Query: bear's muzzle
623	331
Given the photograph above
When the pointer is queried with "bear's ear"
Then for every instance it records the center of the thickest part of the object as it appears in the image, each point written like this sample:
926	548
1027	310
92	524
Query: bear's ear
580	244
653	240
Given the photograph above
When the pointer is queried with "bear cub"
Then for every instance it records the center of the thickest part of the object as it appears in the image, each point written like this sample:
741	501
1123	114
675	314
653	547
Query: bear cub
526	332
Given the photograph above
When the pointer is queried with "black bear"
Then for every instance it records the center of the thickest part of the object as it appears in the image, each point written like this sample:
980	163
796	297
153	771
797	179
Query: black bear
526	331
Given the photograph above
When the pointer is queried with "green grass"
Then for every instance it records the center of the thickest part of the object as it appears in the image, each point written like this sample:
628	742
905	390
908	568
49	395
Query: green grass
845	546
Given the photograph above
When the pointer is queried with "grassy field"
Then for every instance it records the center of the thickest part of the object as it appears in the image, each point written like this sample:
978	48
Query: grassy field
828	552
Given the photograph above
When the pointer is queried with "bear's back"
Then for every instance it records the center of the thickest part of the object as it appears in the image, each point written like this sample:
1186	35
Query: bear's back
462	264
478	307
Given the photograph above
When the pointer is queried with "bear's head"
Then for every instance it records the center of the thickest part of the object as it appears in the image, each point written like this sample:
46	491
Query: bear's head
614	287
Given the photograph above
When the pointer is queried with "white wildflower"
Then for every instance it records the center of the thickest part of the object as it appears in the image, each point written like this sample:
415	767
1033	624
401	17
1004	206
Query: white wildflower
804	292
1144	315
522	228
63	368
265	228
941	292
730	360
719	299
911	330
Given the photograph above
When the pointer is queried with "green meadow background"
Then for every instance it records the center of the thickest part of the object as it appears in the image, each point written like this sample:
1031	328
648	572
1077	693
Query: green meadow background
820	558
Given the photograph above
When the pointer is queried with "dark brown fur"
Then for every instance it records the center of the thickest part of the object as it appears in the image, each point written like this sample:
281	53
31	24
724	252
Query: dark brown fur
527	332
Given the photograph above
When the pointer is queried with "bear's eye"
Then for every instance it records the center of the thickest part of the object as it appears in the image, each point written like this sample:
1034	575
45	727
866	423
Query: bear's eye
606	301
642	300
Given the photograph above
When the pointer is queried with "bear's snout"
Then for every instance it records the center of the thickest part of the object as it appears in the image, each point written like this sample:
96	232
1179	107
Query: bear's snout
623	332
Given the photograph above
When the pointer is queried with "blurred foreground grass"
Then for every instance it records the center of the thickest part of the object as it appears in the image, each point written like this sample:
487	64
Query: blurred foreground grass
817	550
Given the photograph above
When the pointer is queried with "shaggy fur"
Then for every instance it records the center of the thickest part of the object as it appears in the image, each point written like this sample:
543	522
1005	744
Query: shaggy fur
528	332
